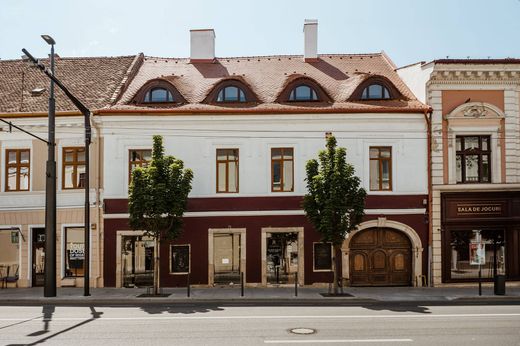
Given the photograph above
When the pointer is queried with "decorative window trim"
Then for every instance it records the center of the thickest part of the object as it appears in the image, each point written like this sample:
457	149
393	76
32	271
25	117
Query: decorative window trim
171	272
393	92
314	257
476	152
251	98
284	95
139	98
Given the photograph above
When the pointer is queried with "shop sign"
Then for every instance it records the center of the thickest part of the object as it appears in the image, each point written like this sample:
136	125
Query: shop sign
76	251
476	209
477	253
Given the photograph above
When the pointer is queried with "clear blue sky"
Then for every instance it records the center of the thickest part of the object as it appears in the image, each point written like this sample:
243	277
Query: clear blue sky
409	31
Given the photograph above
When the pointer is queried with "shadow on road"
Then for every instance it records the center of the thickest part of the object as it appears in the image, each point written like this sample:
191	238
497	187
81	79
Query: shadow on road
398	307
180	309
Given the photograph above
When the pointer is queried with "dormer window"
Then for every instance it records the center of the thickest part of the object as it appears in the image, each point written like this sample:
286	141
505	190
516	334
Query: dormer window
231	94
375	92
303	93
158	95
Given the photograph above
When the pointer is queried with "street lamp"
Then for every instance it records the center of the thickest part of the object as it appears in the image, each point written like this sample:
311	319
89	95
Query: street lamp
50	190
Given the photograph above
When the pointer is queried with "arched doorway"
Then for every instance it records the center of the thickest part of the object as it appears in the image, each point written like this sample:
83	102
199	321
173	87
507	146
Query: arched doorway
380	257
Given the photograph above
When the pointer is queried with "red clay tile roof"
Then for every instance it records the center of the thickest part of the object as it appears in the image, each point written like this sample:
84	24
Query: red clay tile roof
339	75
97	82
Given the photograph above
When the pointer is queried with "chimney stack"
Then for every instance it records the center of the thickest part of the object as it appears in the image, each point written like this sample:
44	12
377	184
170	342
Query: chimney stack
310	31
202	48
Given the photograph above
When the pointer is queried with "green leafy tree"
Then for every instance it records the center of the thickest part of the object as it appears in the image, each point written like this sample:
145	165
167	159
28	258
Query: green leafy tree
335	201
158	197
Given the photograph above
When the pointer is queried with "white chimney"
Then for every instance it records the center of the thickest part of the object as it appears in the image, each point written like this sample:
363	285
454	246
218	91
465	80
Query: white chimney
310	31
202	46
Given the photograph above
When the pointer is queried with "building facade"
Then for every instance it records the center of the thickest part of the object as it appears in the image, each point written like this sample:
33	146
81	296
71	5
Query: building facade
475	165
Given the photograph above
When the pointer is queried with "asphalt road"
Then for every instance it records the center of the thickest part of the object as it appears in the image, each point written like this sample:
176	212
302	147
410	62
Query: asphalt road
200	324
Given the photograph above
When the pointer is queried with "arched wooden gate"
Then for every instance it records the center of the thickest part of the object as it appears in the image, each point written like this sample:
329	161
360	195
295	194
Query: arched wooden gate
380	257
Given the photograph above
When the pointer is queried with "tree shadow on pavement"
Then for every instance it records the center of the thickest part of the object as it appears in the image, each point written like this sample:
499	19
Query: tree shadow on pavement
183	309
48	311
398	307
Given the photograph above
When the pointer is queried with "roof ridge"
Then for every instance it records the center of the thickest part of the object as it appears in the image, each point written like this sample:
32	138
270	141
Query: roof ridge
269	56
75	58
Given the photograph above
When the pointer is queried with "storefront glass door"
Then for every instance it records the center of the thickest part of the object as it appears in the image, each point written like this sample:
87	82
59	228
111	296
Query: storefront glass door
38	257
281	257
137	261
226	261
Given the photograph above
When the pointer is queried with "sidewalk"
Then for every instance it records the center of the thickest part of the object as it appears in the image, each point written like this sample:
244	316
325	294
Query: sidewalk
306	295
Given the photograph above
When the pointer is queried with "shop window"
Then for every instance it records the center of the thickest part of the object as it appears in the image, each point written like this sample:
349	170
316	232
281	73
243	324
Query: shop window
74	252
473	162
138	158
180	259
380	168
227	170
282	169
17	169
322	256
463	246
73	173
9	252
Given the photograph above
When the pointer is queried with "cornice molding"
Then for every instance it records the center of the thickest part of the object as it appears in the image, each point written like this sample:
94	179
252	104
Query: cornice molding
475	77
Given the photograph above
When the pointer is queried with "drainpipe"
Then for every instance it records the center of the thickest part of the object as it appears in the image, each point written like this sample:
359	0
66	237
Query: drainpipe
98	199
428	118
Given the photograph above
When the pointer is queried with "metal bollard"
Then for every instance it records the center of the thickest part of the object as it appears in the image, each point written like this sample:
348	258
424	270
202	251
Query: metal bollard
188	285
296	284
241	284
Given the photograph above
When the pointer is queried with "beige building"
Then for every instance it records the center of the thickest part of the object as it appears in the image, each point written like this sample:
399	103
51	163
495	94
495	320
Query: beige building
475	166
24	102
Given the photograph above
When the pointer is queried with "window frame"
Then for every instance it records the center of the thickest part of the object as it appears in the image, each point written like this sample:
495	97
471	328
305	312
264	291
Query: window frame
75	164
148	87
479	152
18	165
139	163
171	272
227	161
380	160
240	91
282	169
158	87
65	255
383	91
314	269
312	90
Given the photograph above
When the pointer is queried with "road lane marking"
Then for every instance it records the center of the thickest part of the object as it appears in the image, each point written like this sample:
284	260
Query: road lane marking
333	341
265	317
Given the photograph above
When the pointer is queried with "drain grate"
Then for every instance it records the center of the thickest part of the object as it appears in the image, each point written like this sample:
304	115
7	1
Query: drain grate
302	331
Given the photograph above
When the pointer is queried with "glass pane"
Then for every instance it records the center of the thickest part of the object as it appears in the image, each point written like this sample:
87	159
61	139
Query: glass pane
386	152
80	176
146	155
75	252
458	144
485	169
277	178
221	177
287	175
233	177
69	155
276	153
471	168
221	154
24	156
220	97
459	169
242	96
68	176
147	97
11	178
470	143
386	94
12	157
288	153
81	155
24	178
374	175
374	153
386	174
233	154
375	91
303	93
9	256
314	96
291	96
485	143
365	93
159	95
170	97
231	94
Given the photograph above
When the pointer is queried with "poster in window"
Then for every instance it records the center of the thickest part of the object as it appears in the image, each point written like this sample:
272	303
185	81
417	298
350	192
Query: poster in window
180	259
322	256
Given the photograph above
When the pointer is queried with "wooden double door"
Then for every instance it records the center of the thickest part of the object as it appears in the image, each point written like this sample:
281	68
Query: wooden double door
380	257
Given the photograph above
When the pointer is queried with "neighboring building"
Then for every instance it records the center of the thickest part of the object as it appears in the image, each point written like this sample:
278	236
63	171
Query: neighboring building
247	126
24	101
475	164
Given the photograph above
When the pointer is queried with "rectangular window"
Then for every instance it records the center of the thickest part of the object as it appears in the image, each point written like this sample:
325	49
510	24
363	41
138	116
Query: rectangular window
17	169
74	251
10	254
473	162
73	173
282	169
322	256
180	259
138	158
380	168
227	170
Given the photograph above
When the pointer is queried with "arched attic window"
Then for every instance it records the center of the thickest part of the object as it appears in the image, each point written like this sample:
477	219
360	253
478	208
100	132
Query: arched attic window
229	92
376	88
158	93
303	90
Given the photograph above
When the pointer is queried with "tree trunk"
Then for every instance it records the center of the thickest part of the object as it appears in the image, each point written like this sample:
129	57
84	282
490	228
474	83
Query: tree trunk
335	267
156	266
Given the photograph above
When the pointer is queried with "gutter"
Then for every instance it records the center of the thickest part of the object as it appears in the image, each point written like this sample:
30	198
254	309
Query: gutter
428	119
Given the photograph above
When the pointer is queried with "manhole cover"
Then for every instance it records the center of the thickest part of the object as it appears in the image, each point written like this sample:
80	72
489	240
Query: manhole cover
302	331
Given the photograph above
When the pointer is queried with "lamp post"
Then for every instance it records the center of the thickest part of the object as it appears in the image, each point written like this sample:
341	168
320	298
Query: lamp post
50	190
